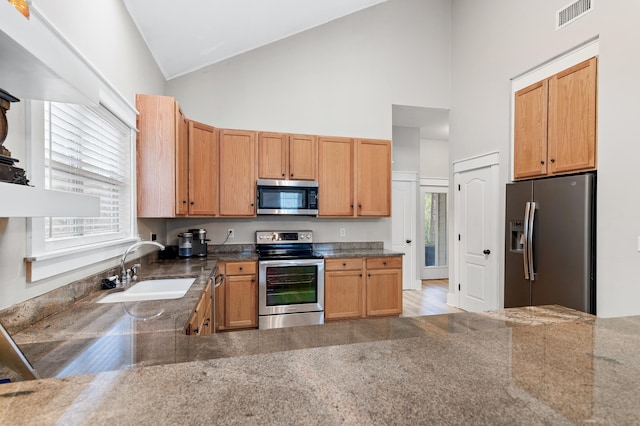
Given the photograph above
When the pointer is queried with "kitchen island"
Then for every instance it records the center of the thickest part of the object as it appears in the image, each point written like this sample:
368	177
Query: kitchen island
133	364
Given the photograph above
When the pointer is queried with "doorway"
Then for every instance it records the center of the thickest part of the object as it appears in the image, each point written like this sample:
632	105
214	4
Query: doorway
433	229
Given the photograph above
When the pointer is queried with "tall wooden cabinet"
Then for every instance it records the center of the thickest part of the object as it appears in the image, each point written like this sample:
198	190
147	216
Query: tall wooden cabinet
161	157
237	172
285	156
354	177
555	123
203	170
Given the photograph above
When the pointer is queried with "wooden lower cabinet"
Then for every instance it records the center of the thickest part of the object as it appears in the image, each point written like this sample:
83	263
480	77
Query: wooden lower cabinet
201	320
237	296
343	289
384	286
357	287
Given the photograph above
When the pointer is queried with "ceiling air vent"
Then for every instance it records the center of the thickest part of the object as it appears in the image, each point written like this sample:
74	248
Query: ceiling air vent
573	11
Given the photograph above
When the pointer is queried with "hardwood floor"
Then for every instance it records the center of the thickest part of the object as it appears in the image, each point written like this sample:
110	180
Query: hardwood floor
431	300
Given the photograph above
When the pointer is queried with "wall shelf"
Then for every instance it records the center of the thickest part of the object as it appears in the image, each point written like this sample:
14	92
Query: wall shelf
37	63
27	201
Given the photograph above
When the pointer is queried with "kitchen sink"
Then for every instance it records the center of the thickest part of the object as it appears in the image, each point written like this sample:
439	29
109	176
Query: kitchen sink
161	289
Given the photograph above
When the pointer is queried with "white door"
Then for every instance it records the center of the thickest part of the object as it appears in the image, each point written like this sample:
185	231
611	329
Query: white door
477	240
403	229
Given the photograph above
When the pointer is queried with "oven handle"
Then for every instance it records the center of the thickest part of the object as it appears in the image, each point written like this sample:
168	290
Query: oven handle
292	262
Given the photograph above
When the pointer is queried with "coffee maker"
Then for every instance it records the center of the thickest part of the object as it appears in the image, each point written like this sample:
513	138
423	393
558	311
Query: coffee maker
199	242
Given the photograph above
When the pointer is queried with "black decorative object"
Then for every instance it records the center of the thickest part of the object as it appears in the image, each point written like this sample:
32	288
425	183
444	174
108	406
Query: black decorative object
8	171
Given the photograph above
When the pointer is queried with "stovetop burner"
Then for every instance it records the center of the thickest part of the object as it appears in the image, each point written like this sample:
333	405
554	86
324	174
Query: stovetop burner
285	245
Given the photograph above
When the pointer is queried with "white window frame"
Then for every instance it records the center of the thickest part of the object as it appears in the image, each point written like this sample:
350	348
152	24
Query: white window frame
43	263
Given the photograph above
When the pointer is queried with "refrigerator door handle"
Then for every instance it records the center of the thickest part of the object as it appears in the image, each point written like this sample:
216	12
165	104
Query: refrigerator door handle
525	250
532	217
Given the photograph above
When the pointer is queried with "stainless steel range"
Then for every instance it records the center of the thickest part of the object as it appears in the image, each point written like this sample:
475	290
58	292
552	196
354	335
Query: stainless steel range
290	279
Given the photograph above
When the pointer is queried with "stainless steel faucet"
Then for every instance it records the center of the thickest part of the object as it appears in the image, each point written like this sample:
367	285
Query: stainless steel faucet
125	276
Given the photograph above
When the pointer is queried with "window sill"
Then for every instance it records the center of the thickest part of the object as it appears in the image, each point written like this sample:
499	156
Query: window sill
51	264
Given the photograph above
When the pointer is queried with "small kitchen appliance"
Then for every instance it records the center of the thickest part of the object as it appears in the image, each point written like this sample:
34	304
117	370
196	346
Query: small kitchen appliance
185	244
290	279
199	243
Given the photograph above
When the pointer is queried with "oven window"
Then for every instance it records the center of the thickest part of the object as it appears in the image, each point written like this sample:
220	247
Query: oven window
282	198
290	285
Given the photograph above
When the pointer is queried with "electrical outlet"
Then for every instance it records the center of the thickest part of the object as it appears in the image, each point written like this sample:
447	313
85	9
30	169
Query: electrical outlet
153	236
231	233
343	232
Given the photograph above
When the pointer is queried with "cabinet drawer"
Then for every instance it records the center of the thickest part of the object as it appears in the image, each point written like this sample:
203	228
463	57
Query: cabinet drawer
343	264
240	268
384	262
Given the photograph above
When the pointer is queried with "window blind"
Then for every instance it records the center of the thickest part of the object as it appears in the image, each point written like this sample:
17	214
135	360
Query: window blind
87	151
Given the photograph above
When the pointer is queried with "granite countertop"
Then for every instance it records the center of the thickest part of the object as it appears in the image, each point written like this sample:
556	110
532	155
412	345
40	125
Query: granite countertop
540	365
331	253
111	364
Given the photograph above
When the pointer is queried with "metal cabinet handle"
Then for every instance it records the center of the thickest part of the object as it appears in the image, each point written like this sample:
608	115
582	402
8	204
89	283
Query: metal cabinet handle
525	251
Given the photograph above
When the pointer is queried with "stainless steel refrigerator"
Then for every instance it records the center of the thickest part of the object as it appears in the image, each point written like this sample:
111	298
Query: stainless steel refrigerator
550	243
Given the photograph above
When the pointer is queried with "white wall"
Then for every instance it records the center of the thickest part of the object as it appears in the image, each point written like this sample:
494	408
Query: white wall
104	33
406	149
496	40
338	79
434	158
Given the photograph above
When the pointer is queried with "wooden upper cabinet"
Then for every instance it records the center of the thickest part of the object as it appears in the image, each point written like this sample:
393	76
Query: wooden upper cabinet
336	164
237	172
373	178
555	123
530	131
273	155
284	156
203	170
161	157
303	157
572	118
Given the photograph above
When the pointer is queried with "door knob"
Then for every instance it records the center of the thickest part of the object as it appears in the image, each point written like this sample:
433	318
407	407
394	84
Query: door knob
487	251
408	241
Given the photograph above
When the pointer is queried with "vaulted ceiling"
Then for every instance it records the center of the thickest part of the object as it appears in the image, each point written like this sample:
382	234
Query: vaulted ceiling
186	35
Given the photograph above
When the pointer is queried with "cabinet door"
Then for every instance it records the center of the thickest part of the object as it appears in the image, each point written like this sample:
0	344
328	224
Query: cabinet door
220	301
237	173
303	157
572	118
203	170
343	294
182	162
241	301
335	176
384	292
156	156
530	131
374	178
273	156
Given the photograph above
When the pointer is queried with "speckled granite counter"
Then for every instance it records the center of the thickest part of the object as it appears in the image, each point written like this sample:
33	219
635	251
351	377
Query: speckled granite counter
542	365
124	364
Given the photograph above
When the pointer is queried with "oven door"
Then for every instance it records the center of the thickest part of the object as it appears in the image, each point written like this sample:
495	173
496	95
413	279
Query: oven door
290	286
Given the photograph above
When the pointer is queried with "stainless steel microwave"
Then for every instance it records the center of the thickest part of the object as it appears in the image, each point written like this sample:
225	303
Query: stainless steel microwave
287	197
